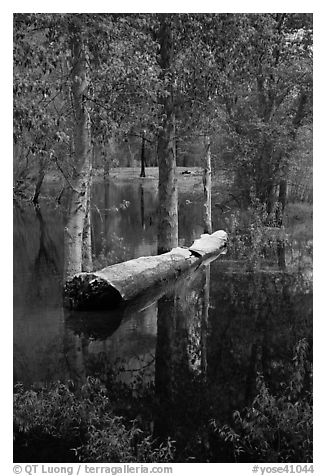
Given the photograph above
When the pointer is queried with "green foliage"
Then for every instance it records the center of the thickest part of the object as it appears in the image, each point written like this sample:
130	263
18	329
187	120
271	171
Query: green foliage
121	83
249	236
276	428
82	420
256	239
267	99
116	444
244	79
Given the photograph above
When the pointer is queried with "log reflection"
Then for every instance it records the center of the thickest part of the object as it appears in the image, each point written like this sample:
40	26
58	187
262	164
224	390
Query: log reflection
181	359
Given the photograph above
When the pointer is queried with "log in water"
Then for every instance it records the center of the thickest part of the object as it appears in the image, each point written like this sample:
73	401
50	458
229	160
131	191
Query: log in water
108	287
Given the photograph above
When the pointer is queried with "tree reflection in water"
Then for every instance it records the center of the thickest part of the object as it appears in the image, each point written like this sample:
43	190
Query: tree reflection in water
181	361
217	328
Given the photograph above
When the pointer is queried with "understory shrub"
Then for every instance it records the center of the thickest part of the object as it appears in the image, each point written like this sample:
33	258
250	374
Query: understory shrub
275	428
61	423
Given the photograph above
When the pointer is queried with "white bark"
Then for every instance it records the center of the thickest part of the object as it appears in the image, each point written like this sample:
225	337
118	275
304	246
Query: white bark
207	182
82	156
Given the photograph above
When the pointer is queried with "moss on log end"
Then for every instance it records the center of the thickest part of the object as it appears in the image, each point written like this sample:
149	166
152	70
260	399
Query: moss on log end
87	291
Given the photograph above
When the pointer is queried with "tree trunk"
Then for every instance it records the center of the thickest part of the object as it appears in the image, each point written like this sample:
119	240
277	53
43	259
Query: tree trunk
82	160
282	201
39	182
61	193
131	160
207	182
142	156
106	217
106	162
167	189
87	263
177	150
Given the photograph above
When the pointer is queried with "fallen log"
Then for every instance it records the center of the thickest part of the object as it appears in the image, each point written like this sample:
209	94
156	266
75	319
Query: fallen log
108	287
100	324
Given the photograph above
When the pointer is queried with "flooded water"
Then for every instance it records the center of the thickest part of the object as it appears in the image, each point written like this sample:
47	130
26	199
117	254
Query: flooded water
201	341
123	227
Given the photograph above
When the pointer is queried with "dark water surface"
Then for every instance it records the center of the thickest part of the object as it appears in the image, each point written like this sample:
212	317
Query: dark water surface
221	324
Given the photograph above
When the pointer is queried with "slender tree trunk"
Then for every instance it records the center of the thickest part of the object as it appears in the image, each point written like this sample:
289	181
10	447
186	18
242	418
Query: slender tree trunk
177	159
131	161
87	263
282	201
106	162
142	156
82	160
157	153
207	182
64	188
106	214
167	189
39	182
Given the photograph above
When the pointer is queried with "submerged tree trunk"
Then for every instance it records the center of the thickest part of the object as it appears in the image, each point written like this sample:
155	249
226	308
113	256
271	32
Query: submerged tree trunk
167	191
207	182
82	160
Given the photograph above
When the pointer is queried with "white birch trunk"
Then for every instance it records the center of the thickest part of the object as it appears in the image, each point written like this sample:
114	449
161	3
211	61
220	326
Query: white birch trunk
207	182
82	156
